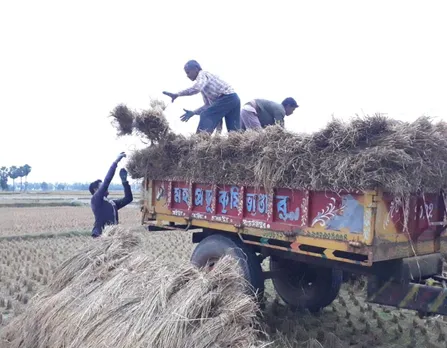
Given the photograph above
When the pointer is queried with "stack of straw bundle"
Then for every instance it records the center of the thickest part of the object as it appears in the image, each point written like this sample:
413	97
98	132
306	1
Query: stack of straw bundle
113	295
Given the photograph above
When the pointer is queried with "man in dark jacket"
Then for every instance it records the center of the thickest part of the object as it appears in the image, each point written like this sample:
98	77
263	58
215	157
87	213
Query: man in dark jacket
104	209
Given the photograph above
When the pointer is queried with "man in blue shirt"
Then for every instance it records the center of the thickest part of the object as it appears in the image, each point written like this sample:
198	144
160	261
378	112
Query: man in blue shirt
104	209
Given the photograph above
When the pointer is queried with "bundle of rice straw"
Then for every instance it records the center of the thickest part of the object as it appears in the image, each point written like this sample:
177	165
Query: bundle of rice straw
366	153
112	294
123	119
151	122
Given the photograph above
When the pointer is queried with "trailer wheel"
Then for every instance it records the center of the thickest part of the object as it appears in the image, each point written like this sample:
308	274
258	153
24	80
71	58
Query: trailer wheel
305	286
213	247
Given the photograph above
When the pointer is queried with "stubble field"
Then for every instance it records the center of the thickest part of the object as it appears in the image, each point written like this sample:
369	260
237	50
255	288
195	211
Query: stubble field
35	240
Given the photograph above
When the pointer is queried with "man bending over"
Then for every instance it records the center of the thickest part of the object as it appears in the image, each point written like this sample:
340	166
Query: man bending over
104	209
260	113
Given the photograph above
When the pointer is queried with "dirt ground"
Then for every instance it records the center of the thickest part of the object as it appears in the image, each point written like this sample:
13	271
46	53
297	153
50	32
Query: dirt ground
26	265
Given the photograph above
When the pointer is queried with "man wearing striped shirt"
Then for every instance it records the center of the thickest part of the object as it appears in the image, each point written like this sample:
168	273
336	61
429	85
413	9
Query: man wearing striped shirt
219	97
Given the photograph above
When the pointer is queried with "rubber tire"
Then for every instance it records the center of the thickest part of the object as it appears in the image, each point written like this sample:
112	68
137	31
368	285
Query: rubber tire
326	285
217	246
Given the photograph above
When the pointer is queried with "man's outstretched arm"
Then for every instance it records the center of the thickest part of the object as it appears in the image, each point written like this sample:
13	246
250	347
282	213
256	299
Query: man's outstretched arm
100	193
200	82
128	197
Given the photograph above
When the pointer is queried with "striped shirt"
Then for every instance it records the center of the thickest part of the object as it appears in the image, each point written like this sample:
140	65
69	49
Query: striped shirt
211	87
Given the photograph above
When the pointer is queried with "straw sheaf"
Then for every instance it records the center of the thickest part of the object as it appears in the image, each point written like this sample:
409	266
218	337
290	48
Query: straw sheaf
150	123
123	119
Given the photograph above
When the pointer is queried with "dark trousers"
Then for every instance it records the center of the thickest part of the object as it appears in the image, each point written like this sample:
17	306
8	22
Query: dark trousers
228	106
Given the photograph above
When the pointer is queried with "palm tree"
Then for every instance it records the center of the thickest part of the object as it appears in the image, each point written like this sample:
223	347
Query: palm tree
26	170
13	174
21	174
4	174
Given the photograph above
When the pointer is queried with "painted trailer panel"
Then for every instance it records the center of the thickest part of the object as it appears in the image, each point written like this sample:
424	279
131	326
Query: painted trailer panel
355	227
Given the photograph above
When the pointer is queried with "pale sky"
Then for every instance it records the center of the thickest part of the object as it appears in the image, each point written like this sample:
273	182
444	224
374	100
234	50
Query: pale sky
64	65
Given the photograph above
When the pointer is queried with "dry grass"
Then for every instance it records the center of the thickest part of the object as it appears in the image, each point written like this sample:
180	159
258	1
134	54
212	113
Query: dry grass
116	295
24	221
150	123
55	212
123	119
26	267
363	154
23	262
32	261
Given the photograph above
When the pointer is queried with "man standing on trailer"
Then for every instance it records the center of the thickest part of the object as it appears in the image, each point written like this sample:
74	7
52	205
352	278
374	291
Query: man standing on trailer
260	113
220	99
106	210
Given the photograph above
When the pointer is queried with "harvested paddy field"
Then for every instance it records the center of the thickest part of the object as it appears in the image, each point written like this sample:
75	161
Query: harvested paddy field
36	220
23	214
27	266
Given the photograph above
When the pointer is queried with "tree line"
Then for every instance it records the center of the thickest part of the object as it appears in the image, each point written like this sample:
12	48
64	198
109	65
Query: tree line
14	173
22	172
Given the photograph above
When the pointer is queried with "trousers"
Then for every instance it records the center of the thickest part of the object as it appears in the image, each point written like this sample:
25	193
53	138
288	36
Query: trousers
249	120
228	107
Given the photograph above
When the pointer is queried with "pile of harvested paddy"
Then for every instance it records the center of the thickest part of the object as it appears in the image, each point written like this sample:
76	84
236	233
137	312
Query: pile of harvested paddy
113	295
366	153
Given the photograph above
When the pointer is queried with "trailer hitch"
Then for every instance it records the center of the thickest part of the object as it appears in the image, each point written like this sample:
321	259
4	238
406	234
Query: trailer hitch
425	299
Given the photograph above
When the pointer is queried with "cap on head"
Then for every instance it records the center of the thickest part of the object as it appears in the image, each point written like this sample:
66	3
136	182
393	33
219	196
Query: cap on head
290	102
